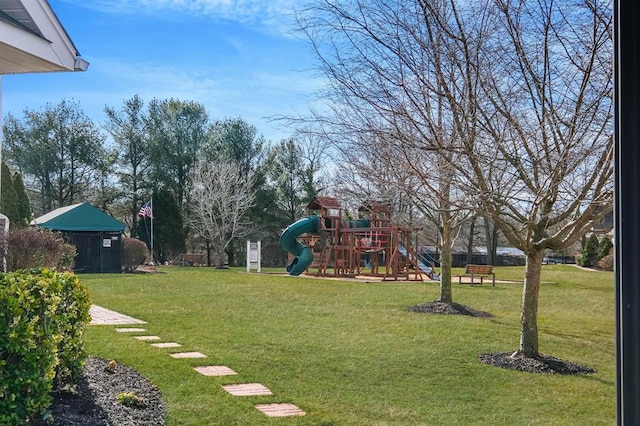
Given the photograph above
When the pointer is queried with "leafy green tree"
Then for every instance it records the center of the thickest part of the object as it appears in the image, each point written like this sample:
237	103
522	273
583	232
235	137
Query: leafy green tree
177	132
128	128
291	179
57	150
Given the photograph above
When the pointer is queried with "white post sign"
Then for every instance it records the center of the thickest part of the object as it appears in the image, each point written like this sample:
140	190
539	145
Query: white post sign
253	256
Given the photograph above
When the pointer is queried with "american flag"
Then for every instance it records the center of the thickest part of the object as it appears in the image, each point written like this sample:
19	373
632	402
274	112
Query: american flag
145	210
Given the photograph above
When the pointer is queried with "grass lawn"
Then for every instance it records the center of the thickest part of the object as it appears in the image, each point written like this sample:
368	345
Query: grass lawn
352	354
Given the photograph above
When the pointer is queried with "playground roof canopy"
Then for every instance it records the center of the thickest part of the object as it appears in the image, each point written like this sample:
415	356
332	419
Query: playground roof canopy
375	206
324	202
79	217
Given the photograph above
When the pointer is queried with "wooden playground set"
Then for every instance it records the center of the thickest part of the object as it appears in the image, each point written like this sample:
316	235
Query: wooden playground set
326	244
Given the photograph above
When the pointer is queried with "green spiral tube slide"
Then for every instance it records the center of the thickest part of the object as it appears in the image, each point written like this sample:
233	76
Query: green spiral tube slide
288	241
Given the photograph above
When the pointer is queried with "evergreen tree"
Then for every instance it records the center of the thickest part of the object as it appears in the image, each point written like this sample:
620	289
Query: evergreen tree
605	247
23	205
169	235
14	202
590	251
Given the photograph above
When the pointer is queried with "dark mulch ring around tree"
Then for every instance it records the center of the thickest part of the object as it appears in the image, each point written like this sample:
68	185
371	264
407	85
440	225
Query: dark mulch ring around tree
444	308
96	401
543	364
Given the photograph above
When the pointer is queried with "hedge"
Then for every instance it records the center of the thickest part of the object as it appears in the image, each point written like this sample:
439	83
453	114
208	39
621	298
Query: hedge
43	315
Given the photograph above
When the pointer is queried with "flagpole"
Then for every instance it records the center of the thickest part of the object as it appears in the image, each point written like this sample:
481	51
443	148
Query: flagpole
151	252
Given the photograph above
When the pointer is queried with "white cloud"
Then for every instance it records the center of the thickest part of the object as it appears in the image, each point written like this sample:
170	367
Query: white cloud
275	15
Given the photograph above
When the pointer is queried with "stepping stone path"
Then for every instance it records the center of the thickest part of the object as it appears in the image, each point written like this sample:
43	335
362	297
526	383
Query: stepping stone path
280	410
102	316
187	355
215	370
146	337
247	389
166	345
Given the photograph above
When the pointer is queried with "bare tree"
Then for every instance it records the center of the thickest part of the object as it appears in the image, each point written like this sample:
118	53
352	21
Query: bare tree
501	107
546	111
222	194
386	105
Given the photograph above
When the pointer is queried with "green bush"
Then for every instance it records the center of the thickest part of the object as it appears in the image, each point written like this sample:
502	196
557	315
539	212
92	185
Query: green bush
134	252
42	319
73	317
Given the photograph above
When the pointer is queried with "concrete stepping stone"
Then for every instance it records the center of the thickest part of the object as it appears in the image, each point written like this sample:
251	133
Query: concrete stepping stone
280	410
215	370
188	355
166	345
130	330
247	389
147	337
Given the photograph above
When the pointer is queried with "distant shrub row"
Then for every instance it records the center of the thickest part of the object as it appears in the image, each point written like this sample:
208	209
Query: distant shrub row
43	315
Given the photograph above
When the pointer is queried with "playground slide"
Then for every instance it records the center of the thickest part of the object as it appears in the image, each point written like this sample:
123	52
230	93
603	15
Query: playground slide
303	254
428	270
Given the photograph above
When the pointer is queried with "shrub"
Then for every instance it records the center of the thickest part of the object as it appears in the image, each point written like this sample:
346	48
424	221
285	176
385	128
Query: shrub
42	319
134	252
606	263
29	248
73	317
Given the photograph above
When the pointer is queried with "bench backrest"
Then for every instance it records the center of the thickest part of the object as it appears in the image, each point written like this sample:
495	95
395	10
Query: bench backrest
479	269
192	257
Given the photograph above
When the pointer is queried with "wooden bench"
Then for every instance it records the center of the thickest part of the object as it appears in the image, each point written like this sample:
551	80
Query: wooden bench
478	271
191	259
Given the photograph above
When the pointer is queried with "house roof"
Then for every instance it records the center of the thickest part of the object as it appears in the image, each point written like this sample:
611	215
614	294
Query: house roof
32	39
79	217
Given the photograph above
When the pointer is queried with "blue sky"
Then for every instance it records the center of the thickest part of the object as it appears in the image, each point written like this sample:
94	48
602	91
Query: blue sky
239	58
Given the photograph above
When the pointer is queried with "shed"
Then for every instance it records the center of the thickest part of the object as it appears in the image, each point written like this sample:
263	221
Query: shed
96	235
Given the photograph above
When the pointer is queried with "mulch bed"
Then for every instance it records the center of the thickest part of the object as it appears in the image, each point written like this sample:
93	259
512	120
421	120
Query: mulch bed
96	401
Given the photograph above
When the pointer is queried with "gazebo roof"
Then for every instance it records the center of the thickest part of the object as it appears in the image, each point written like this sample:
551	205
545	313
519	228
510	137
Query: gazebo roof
79	217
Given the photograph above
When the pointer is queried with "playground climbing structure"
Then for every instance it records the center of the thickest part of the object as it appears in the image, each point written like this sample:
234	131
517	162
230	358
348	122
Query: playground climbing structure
325	243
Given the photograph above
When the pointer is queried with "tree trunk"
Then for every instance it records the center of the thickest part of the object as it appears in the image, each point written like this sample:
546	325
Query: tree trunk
472	230
529	318
446	294
208	246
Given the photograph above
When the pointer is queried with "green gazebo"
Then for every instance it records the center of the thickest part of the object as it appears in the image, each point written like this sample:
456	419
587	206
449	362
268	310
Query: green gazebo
96	235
